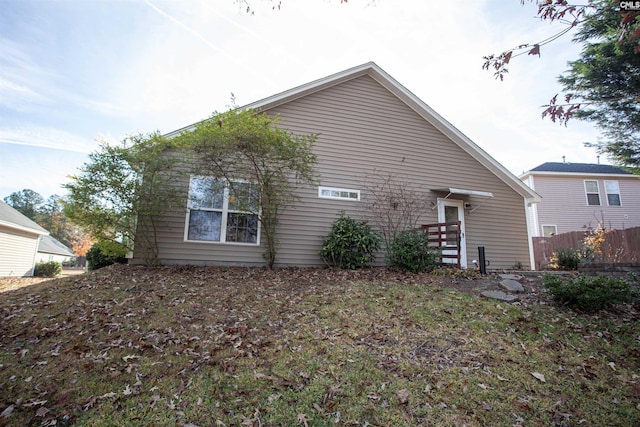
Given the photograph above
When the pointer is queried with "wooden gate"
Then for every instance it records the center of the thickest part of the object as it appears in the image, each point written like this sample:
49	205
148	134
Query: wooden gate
445	237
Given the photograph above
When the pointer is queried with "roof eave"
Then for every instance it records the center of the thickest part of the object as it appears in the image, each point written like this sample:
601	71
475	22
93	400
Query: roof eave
24	229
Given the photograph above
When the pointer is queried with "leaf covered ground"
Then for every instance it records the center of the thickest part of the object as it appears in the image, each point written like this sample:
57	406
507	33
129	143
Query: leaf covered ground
195	346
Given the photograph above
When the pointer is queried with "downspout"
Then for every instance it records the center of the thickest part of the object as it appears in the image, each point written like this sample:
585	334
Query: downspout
35	255
527	203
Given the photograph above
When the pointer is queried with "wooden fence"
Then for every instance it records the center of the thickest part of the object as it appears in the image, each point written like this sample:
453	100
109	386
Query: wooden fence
445	236
619	246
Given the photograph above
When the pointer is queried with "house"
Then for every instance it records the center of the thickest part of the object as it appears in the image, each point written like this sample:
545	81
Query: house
365	121
51	249
578	196
19	241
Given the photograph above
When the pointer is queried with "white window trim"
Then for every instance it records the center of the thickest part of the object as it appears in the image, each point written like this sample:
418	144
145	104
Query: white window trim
586	193
555	227
607	193
321	196
223	223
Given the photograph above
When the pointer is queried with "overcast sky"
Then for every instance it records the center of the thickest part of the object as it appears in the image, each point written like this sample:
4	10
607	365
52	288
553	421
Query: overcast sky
76	72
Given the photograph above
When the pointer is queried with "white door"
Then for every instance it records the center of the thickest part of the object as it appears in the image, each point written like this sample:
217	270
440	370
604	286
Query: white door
450	210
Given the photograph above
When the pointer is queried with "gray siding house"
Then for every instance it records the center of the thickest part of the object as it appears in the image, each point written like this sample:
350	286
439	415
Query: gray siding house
19	241
365	121
577	196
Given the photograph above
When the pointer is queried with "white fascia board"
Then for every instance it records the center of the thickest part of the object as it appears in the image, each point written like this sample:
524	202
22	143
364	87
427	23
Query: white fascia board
24	229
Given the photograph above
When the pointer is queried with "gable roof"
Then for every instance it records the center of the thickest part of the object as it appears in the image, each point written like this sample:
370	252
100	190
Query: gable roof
50	245
582	168
11	218
412	101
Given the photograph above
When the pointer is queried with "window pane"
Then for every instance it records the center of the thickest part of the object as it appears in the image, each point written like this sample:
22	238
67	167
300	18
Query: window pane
591	186
593	199
242	228
204	225
244	197
613	199
548	230
206	193
612	187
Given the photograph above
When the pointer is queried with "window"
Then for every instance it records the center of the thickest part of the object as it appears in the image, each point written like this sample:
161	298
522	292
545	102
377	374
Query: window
549	230
613	193
593	194
338	193
224	212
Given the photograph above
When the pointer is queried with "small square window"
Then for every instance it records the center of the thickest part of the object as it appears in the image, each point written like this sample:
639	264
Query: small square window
549	230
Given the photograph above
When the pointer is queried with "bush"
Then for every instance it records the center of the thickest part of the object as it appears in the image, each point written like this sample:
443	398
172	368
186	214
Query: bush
588	293
350	244
409	251
565	259
47	269
103	254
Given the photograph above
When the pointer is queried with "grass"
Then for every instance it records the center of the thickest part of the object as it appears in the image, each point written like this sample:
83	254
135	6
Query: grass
231	347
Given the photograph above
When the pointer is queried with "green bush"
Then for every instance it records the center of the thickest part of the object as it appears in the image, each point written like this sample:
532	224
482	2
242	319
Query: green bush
588	293
409	250
350	244
103	254
565	259
47	269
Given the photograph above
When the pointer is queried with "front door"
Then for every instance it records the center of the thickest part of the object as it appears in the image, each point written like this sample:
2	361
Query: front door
450	210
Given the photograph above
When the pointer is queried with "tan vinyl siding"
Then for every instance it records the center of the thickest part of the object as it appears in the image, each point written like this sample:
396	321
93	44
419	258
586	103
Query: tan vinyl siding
17	252
363	127
564	203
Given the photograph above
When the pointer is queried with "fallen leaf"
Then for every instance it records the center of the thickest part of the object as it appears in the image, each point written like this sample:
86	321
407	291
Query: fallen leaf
403	396
42	411
539	376
34	403
302	419
7	411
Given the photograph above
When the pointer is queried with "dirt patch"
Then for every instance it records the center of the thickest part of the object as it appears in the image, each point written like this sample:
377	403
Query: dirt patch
12	283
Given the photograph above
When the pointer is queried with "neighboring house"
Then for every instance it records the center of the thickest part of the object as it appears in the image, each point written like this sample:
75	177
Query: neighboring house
577	196
51	249
365	121
19	240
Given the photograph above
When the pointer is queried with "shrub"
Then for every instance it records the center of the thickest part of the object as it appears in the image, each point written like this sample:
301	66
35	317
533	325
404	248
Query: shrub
47	269
103	254
409	251
565	259
588	293
350	244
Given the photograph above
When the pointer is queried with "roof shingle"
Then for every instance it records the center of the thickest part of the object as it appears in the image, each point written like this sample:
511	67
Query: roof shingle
579	168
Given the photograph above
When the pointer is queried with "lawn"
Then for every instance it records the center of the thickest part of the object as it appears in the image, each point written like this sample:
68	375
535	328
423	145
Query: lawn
187	346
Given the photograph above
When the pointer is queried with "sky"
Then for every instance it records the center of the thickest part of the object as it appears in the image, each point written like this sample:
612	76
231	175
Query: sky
78	73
